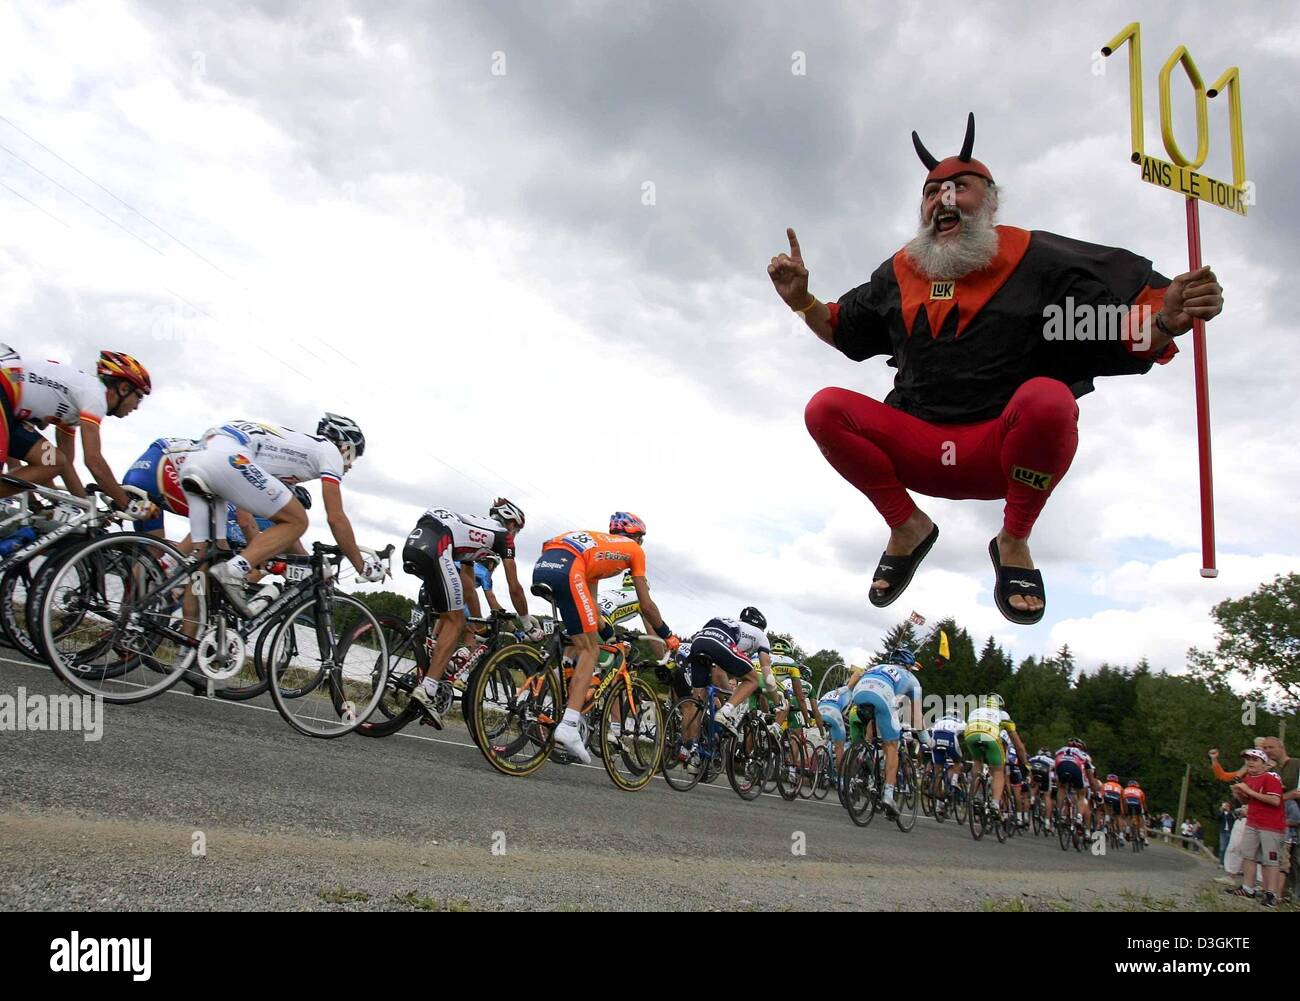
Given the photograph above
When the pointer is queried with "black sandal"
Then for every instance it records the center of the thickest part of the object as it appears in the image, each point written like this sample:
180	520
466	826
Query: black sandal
1016	580
897	571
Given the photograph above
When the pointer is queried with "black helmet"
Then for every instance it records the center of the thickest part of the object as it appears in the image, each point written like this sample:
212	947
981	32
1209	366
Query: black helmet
752	616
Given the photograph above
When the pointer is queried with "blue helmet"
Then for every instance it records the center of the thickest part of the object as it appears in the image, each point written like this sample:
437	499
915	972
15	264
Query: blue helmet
902	655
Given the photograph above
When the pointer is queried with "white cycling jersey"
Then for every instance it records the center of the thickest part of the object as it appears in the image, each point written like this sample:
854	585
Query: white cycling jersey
950	724
290	456
50	393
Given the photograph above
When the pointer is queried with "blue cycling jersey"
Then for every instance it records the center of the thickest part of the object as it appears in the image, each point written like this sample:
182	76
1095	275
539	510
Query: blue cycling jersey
482	577
900	679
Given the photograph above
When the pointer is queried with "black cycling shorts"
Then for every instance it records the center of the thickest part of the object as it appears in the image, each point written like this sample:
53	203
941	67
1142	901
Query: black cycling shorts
714	648
428	556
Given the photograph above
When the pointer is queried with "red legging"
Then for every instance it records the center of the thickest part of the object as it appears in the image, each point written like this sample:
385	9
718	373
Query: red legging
884	452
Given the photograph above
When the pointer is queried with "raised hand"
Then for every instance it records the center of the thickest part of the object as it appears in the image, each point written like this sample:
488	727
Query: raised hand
789	276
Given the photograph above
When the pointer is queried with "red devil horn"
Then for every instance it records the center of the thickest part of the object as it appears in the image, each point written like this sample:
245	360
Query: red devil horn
968	143
926	156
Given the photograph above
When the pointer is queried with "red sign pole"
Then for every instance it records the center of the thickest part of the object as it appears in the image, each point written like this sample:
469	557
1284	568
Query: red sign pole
1208	568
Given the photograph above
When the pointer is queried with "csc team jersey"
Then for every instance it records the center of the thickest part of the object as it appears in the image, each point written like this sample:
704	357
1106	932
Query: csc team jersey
601	555
46	392
290	456
1073	754
473	537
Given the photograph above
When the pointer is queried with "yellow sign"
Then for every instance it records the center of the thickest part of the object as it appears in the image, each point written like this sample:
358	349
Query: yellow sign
1181	175
1188	182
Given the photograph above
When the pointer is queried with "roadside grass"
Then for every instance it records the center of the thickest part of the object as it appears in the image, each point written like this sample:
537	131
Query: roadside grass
419	902
338	894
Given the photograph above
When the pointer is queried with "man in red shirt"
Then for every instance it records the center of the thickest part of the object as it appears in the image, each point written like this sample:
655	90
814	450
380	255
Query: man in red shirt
1261	790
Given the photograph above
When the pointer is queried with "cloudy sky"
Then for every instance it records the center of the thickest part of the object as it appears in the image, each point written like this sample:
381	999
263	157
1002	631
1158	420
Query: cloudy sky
524	245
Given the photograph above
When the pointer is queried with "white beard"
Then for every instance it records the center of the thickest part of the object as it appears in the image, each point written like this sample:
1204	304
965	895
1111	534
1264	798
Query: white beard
973	249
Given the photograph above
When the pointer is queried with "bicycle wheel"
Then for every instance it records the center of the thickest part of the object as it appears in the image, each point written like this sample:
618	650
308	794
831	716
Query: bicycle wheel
323	687
929	790
633	758
20	612
960	797
807	766
747	760
825	773
1064	823
395	708
978	812
1001	827
515	701
789	774
862	788
1036	817
676	754
907	792
109	628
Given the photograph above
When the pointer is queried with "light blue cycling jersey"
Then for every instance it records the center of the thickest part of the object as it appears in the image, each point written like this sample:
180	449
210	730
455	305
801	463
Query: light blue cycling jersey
482	577
900	679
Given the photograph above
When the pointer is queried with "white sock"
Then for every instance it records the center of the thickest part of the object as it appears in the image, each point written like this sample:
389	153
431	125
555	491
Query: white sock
430	685
237	566
571	717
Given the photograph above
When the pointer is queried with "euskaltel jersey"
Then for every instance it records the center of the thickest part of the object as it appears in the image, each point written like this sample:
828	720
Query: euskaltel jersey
963	348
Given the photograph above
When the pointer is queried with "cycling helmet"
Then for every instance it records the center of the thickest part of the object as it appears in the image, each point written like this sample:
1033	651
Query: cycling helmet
304	498
1133	782
116	365
993	701
625	523
343	432
1043	753
780	648
902	655
489	560
1076	742
627	584
504	510
751	615
1112	778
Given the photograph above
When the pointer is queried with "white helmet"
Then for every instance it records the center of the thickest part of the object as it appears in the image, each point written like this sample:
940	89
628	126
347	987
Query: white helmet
503	510
345	433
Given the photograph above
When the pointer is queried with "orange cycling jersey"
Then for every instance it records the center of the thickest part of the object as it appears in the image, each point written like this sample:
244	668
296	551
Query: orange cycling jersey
1111	789
600	554
1132	794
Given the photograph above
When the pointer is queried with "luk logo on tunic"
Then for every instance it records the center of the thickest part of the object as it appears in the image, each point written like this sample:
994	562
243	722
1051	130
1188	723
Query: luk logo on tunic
1031	478
942	290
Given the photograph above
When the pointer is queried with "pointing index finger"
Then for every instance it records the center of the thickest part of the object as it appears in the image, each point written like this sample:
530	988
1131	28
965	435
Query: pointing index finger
794	245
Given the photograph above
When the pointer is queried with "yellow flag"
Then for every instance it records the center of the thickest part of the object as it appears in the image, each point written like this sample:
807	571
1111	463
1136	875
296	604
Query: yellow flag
944	651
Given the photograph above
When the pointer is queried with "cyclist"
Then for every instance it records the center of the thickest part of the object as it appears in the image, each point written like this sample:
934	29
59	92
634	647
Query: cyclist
1111	797
1042	770
484	566
984	727
882	690
46	392
569	566
1074	775
843	725
730	644
440	540
795	691
253	465
945	749
1016	779
1135	808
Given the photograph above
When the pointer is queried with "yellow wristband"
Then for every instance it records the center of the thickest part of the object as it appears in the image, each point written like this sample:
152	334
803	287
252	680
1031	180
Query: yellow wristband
811	304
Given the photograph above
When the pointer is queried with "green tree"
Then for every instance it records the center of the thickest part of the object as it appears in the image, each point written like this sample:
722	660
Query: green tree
1258	640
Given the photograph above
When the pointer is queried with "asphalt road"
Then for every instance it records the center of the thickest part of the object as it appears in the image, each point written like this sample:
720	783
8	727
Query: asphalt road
191	803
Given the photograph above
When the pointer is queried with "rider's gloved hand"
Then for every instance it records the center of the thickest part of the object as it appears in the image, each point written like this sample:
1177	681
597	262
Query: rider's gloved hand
673	643
140	509
532	628
372	570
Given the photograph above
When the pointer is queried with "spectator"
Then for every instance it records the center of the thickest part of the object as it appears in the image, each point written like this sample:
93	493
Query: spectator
1226	821
1167	823
1288	770
1265	827
1198	832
